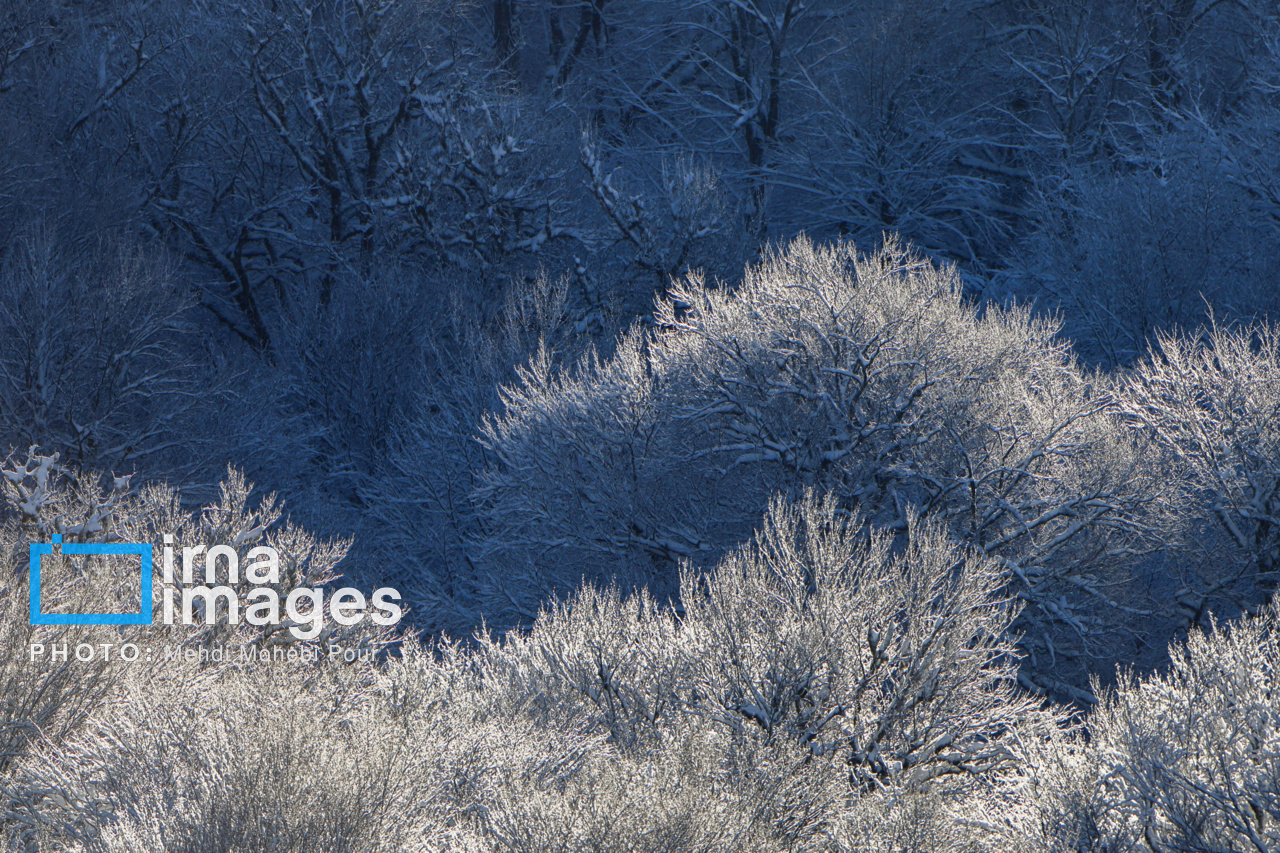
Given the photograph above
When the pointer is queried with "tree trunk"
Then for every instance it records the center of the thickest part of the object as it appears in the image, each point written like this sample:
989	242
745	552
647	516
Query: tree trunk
504	36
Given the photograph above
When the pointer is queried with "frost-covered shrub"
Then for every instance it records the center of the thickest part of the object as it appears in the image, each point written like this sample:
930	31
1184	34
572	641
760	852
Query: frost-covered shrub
1212	402
416	505
1192	756
895	661
870	671
866	376
1184	759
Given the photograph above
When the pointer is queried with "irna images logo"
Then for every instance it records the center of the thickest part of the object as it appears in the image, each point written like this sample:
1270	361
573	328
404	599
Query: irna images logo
255	599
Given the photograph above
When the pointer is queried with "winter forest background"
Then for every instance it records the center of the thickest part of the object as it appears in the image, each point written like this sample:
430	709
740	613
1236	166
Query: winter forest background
792	424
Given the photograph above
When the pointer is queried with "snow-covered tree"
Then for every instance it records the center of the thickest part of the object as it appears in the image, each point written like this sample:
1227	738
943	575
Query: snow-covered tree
1191	757
1212	401
865	375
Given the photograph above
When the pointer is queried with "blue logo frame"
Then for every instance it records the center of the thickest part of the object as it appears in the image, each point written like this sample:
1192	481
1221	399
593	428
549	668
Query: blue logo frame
143	617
